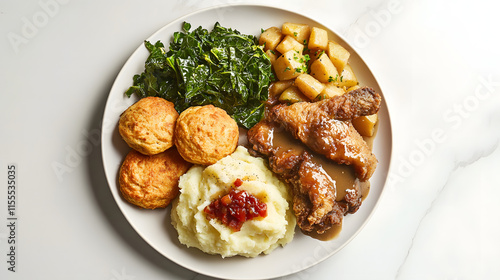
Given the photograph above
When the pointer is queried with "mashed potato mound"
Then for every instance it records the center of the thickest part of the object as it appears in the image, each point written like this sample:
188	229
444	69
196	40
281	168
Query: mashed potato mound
200	186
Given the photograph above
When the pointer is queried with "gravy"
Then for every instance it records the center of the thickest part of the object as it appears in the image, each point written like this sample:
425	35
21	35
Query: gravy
342	175
329	234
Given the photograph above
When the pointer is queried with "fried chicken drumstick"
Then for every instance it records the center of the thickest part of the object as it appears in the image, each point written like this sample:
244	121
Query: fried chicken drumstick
323	128
326	128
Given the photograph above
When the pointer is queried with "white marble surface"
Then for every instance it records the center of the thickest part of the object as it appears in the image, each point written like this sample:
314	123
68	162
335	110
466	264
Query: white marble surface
436	61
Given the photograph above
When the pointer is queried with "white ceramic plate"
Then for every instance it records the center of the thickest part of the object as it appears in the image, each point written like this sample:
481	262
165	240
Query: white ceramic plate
154	225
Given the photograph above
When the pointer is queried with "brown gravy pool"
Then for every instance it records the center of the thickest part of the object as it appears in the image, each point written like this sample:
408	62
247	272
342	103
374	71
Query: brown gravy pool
330	234
343	175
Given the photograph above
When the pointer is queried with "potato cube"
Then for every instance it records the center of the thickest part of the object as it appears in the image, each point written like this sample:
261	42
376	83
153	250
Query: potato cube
365	125
330	91
347	78
272	56
323	69
270	38
298	31
292	95
318	39
289	43
338	54
289	65
313	55
352	88
309	86
276	88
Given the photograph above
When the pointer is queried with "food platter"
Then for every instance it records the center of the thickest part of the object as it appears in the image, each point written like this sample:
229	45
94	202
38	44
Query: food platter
154	225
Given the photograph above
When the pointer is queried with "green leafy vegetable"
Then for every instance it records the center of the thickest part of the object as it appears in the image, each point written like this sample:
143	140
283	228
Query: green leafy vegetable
222	67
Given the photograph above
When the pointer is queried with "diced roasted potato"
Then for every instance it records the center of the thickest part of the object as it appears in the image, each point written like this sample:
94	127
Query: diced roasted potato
323	69
338	54
270	38
365	125
311	54
302	50
276	88
330	91
289	43
318	39
352	88
272	56
309	86
347	78
289	65
298	31
292	95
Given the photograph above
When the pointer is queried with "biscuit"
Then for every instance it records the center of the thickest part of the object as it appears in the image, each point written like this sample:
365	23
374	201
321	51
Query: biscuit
205	134
151	181
148	125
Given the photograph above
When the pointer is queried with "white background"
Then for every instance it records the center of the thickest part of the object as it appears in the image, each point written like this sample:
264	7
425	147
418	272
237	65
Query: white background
436	61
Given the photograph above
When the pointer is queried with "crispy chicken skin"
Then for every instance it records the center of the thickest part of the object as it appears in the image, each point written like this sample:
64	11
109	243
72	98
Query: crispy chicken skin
325	127
314	193
315	185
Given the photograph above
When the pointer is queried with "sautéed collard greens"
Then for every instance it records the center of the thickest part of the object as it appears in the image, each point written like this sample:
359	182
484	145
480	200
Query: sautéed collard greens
222	67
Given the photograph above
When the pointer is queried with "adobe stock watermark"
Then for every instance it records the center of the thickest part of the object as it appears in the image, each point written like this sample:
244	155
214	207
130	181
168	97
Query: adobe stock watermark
372	23
122	275
91	139
454	116
77	153
31	26
319	253
221	7
223	10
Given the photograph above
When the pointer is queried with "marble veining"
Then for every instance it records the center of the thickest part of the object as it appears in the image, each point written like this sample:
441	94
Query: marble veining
436	199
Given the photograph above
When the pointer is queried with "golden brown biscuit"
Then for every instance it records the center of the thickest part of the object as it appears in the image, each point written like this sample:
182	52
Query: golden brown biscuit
148	125
205	134
151	181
